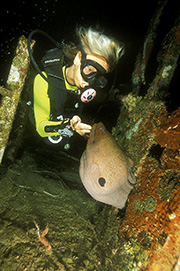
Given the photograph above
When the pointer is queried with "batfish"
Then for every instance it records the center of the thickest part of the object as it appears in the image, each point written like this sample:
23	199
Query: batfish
105	170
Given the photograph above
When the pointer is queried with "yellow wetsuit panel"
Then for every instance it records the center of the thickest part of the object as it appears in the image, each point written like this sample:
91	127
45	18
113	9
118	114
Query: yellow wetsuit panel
42	105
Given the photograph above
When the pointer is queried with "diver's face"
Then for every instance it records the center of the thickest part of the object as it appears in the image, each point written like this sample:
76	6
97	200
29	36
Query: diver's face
78	79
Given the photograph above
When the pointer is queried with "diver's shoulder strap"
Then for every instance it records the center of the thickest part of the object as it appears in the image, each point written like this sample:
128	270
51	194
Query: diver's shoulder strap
53	62
52	57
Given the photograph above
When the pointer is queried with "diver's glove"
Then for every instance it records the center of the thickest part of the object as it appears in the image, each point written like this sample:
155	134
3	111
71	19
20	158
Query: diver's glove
80	128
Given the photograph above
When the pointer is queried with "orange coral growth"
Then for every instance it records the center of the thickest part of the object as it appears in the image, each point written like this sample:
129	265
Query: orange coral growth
152	216
151	229
168	134
171	159
166	257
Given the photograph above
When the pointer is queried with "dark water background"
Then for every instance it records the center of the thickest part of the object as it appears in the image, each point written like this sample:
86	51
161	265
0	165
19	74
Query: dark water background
125	20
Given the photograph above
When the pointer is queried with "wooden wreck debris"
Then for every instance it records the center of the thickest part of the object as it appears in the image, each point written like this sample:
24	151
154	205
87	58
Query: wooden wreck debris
167	61
11	95
167	57
138	76
5	92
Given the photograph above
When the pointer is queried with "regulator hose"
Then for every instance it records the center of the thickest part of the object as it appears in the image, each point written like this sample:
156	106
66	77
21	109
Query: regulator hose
57	44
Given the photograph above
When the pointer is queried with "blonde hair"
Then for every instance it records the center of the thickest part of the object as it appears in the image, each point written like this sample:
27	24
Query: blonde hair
95	42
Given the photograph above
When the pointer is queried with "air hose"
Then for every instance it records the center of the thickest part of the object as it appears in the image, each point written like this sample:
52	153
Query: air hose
57	44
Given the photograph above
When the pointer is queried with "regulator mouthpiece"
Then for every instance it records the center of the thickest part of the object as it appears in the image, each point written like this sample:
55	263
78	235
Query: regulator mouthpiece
88	95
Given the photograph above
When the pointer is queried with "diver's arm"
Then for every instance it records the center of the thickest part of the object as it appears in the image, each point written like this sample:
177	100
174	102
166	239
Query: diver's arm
44	126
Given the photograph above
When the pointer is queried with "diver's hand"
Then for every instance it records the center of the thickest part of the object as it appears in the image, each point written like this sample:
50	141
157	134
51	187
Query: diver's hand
80	128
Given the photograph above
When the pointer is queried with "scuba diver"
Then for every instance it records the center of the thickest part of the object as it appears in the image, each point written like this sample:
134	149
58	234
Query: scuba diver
74	73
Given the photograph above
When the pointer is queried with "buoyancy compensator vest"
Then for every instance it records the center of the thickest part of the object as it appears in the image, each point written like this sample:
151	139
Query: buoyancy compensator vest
52	62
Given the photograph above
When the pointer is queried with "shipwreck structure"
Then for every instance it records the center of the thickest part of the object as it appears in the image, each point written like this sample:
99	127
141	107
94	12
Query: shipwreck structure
147	236
11	94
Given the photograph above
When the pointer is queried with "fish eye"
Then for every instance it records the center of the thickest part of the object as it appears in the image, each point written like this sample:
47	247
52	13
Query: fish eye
102	181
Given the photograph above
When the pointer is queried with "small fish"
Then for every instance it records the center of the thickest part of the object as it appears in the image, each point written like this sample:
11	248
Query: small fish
105	170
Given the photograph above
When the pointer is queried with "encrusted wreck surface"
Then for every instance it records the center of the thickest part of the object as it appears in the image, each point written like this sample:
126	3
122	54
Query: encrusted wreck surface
153	212
11	95
151	137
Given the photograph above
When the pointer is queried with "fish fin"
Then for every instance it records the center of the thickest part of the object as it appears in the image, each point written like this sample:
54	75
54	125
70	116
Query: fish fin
130	162
131	177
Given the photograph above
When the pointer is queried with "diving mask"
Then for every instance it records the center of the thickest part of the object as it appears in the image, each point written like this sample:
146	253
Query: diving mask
93	73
